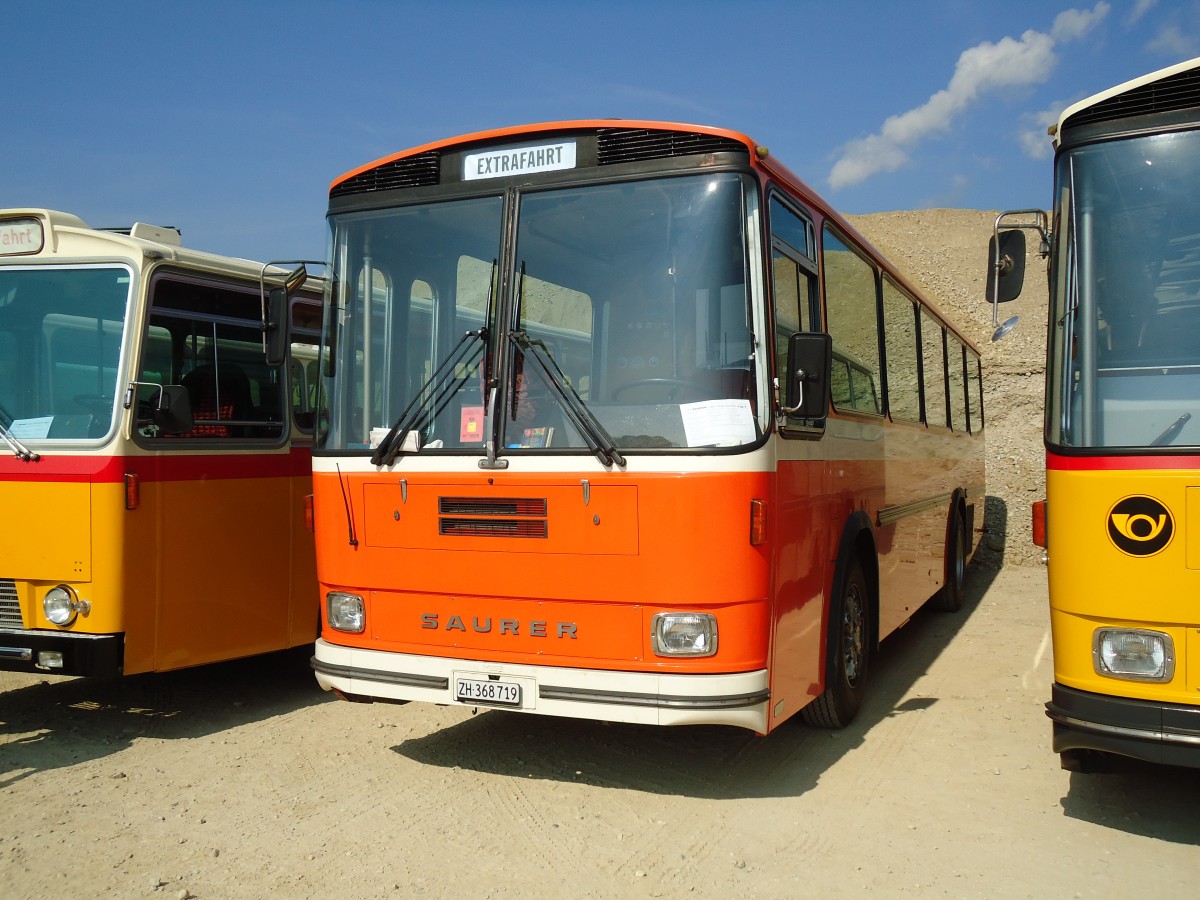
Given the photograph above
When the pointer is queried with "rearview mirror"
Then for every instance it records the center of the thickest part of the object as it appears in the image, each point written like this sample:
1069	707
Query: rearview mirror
1006	266
810	361
173	413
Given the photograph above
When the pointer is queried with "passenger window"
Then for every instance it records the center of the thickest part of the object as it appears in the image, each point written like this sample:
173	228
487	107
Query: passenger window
934	370
853	320
903	366
955	359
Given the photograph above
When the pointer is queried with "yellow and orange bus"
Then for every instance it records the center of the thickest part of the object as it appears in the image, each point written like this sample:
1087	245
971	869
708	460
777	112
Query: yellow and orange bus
156	450
620	421
1122	427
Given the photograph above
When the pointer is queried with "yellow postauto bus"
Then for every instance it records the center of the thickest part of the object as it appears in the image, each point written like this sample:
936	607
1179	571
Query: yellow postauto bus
1122	427
155	432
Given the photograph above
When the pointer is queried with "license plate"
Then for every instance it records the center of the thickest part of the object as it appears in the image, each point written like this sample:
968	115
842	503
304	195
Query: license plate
500	693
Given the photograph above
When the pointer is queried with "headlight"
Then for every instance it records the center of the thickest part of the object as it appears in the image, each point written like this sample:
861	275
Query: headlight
61	605
1133	654
345	612
684	634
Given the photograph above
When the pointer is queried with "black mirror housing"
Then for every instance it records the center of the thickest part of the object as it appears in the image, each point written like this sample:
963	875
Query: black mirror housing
1006	266
173	414
277	326
810	364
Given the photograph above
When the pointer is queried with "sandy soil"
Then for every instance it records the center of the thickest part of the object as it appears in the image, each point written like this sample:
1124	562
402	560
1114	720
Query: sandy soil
244	780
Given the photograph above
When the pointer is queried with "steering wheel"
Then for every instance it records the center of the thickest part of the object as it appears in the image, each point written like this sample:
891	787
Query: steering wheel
674	383
95	403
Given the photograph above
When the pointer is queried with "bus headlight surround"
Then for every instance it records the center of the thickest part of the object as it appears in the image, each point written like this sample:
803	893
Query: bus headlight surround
61	605
345	612
684	634
1133	654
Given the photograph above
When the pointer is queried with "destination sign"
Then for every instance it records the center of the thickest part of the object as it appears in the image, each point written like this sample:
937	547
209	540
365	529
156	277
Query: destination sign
20	236
520	160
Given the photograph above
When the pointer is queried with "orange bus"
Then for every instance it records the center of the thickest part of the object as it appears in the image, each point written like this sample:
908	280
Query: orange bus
620	421
156	450
1122	427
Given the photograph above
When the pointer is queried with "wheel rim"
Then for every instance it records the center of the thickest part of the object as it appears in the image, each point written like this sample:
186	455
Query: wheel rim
853	634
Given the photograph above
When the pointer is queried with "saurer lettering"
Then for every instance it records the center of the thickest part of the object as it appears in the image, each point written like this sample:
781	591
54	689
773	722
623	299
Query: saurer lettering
503	627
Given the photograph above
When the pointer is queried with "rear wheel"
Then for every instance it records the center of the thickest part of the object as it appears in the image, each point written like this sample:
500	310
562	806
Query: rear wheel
850	652
950	597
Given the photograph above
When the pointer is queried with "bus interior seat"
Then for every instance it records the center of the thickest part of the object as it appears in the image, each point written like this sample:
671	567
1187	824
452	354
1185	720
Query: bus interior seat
218	394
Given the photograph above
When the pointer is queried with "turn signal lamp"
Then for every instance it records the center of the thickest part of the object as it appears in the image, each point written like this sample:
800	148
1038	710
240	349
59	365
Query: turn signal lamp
345	612
758	522
1133	654
684	634
1039	523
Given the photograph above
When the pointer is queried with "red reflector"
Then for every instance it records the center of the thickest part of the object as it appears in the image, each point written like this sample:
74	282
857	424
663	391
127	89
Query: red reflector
308	512
758	522
133	491
1039	523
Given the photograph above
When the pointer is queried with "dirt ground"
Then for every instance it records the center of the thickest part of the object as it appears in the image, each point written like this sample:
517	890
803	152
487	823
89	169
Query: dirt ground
245	780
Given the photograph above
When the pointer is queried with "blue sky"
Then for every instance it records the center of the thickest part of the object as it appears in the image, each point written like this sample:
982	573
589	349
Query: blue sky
230	120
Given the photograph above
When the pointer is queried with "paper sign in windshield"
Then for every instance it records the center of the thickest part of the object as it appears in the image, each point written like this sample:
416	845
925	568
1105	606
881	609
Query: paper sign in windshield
718	423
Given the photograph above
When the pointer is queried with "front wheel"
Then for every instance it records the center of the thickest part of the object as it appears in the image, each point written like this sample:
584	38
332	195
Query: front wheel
850	649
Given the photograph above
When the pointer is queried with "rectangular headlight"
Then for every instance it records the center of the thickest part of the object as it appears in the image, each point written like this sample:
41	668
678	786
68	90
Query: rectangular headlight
684	634
1133	654
345	612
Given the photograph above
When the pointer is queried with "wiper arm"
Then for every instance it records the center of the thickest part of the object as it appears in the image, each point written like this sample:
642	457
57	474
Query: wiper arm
435	389
20	451
599	441
1172	431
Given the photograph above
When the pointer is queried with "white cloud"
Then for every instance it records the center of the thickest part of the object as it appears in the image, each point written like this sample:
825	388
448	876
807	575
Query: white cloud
1139	9
1033	136
981	69
1171	41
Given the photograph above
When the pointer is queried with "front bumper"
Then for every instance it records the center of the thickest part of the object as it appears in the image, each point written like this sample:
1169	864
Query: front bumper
82	654
1167	733
647	698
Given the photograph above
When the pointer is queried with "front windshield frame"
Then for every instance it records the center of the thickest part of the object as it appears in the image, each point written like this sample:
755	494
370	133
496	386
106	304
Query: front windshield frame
62	357
500	357
1124	306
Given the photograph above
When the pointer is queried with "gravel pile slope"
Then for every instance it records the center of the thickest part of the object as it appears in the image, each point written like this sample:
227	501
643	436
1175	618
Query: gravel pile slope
944	251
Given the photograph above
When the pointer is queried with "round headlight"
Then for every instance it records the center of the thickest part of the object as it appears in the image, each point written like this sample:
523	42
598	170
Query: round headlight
59	604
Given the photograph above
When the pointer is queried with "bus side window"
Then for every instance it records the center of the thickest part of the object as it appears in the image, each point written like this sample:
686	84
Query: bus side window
793	279
852	311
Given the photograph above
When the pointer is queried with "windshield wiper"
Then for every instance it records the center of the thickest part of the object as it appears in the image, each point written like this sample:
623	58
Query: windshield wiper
20	451
599	441
1172	431
440	387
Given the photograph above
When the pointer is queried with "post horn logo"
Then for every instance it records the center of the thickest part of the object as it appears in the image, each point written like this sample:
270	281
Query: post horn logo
1140	526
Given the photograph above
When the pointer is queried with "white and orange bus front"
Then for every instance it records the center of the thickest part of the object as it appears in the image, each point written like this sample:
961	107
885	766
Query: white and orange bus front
548	475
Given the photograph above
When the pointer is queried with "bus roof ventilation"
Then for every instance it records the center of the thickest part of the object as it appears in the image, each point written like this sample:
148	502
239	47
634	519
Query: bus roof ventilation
1180	91
619	145
412	171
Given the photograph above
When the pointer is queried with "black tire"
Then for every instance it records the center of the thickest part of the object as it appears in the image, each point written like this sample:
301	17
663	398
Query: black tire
849	653
950	597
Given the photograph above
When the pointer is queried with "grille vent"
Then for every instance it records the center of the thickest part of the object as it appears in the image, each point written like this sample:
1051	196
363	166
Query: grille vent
618	145
515	517
1180	91
421	170
10	609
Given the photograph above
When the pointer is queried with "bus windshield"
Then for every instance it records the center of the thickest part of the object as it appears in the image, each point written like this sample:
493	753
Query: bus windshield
608	312
60	343
1126	328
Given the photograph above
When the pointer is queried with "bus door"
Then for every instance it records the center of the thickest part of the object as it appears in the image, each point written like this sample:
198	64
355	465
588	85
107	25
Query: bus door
801	496
221	493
